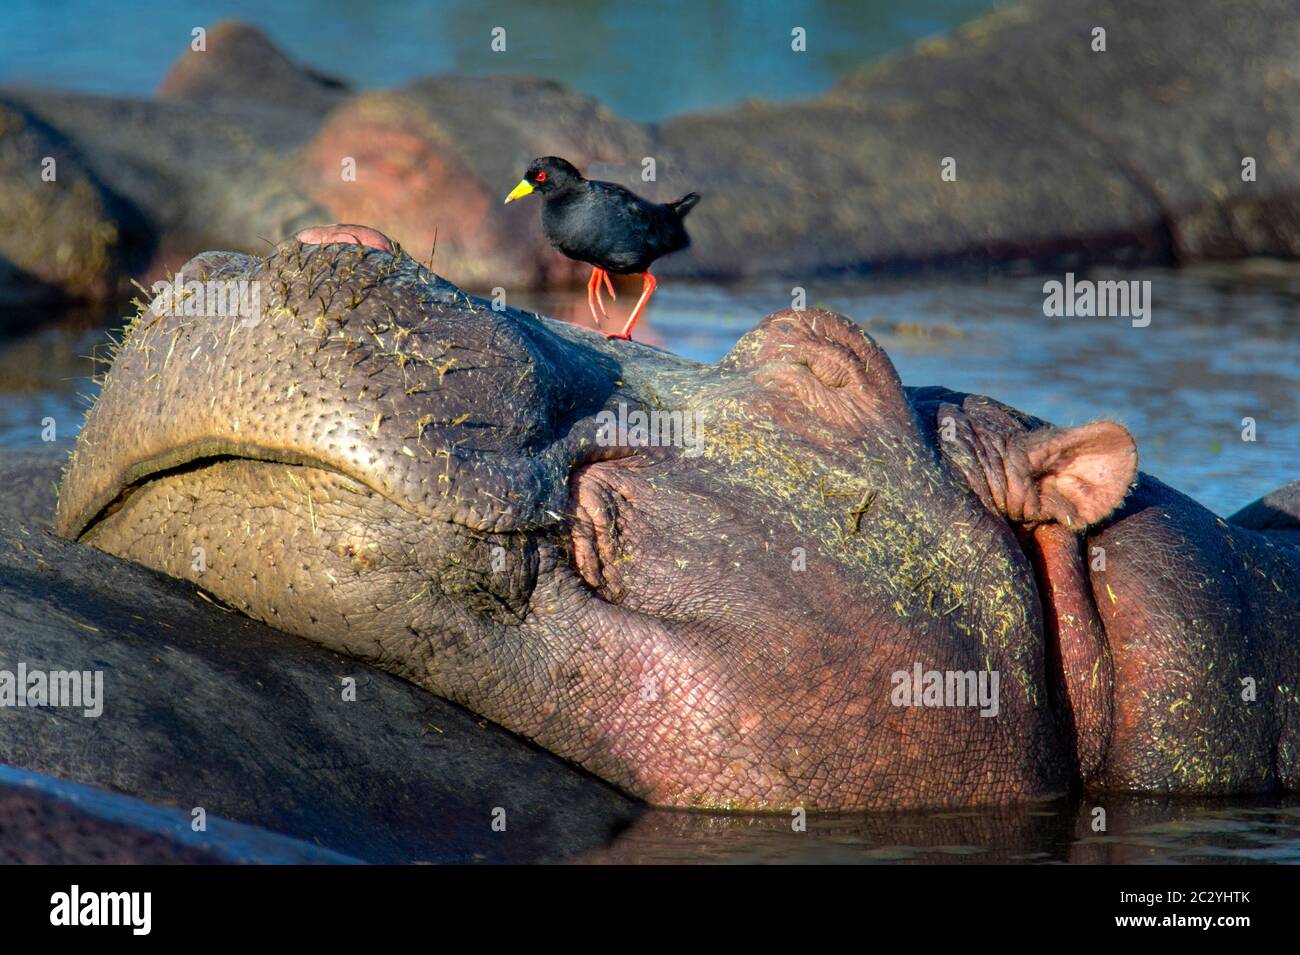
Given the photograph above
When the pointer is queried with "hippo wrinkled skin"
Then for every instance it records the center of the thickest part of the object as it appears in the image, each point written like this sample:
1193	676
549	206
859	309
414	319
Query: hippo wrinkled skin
385	465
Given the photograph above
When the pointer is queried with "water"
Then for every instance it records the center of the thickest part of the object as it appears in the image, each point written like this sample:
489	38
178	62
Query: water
645	61
1137	830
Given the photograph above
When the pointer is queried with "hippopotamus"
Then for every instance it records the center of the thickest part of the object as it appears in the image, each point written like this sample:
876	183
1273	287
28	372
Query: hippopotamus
782	580
1056	133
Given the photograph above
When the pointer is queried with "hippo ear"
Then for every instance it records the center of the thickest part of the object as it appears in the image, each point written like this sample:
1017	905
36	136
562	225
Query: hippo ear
1073	476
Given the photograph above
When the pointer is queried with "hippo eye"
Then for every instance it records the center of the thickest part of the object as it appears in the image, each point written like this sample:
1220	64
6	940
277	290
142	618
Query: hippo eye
541	177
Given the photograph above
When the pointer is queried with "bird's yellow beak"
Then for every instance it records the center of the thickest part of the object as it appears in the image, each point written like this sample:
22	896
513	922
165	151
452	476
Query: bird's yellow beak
519	191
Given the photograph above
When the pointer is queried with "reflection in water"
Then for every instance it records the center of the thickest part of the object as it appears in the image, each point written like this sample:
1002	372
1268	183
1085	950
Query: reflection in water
46	369
1138	830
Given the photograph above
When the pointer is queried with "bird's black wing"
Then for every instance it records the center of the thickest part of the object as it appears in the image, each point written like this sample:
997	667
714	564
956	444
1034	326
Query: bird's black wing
636	229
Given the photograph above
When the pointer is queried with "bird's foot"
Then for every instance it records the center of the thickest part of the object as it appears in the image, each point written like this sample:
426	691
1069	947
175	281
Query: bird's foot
648	286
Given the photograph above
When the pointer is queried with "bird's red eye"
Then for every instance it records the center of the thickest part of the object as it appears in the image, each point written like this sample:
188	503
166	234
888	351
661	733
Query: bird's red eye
541	177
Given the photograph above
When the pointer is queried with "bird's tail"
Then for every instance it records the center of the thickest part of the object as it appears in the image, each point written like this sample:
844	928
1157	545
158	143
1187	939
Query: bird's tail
685	204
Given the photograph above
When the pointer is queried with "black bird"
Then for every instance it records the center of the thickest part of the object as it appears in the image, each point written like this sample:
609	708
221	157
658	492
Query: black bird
609	227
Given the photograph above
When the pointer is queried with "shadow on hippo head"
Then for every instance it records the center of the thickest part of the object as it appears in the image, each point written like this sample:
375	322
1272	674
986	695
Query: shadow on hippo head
726	586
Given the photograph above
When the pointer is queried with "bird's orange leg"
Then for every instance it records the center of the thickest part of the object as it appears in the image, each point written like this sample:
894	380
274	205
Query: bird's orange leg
593	289
599	276
648	286
594	298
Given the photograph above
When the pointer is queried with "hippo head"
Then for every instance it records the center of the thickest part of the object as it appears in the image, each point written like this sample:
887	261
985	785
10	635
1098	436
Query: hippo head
702	583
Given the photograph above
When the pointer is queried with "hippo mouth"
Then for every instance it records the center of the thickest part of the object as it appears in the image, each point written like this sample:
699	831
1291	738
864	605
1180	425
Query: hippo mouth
590	518
190	458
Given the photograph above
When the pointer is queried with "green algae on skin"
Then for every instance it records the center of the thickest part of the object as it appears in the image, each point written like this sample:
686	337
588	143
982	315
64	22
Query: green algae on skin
902	547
